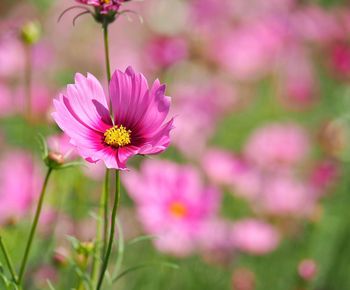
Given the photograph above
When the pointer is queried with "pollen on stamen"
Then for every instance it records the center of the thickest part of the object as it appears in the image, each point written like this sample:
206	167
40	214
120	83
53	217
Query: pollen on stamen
178	209
117	136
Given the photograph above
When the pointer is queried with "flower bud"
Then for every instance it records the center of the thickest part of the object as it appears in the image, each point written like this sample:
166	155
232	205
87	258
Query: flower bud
31	32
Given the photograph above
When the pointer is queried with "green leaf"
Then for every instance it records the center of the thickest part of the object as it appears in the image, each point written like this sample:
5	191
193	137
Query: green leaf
145	265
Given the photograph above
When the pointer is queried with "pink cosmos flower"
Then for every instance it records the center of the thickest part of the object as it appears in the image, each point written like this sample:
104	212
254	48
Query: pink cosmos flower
104	5
16	197
277	145
163	51
6	106
60	146
340	59
137	126
283	195
233	171
172	204
307	269
254	236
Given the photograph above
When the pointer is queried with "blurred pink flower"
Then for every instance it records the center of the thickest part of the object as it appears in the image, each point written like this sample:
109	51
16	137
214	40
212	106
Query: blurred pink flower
6	102
284	195
138	125
210	14
95	171
249	51
323	175
60	144
11	57
198	112
340	59
219	165
316	24
307	269
254	237
172	204
16	197
299	87
277	145
233	171
163	51
40	102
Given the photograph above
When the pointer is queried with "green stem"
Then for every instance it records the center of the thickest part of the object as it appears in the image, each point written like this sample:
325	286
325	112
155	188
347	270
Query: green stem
101	233
28	81
106	45
112	229
8	260
105	211
33	228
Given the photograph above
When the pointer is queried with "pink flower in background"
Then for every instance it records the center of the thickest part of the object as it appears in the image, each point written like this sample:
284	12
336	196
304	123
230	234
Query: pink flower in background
95	171
340	59
20	183
277	145
316	24
307	269
60	144
138	123
323	175
11	57
254	236
284	195
249	51
299	88
198	112
219	165
104	5
163	51
6	103
232	171
41	100
172	203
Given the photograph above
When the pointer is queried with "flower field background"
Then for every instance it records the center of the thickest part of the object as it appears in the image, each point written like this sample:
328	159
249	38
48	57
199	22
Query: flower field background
253	191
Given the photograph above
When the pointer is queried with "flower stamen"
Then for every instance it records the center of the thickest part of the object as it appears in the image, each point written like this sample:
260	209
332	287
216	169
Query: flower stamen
178	209
117	136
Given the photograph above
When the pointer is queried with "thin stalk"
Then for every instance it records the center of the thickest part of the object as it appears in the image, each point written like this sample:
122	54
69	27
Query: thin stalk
106	45
8	260
112	229
101	232
28	81
33	228
105	211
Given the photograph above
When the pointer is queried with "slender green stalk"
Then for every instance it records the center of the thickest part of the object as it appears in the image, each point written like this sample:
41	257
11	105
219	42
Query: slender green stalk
105	211
112	229
106	44
8	260
101	232
28	81
33	228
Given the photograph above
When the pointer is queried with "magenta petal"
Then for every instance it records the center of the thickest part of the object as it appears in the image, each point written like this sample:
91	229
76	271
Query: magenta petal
127	91
159	141
87	102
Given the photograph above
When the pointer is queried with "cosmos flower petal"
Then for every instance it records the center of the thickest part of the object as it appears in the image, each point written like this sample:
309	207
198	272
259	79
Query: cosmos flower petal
159	141
87	102
129	96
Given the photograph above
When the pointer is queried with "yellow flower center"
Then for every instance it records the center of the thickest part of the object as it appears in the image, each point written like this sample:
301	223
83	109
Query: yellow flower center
178	209
117	136
106	1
